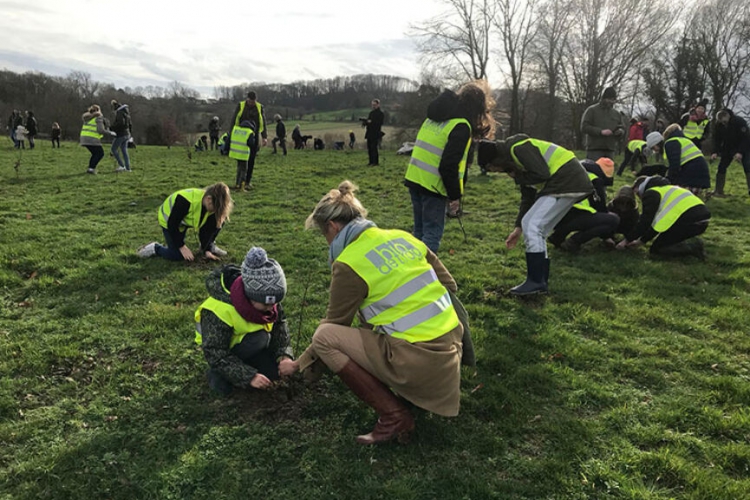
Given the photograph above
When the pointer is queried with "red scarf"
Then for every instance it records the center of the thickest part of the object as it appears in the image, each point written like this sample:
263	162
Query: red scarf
246	309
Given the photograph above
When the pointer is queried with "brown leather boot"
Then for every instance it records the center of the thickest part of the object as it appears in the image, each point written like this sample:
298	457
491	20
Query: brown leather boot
395	421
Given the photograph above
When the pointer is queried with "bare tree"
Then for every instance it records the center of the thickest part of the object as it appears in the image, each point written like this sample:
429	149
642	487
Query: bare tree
606	42
458	41
721	31
515	21
83	84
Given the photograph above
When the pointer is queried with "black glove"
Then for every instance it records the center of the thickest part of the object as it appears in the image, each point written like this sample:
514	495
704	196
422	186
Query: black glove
486	152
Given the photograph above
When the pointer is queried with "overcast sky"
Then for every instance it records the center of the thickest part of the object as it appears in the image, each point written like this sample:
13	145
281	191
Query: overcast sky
206	44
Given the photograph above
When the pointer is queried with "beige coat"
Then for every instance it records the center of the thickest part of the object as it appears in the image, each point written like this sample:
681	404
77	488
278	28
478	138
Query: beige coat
100	128
426	373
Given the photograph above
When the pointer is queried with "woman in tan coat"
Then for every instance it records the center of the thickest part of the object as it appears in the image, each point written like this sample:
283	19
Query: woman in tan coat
409	337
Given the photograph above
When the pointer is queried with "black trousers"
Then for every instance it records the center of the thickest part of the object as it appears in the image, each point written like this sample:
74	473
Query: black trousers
214	142
680	231
251	161
589	226
97	153
372	150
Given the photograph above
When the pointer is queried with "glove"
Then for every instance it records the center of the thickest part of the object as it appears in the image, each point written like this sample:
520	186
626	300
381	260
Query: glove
486	152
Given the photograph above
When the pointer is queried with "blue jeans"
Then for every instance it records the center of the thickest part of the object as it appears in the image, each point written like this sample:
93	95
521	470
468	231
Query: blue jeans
121	144
171	251
429	218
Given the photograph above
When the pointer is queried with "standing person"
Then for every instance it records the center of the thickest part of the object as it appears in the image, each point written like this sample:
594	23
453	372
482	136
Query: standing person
21	137
251	110
695	123
635	132
242	327
11	125
687	167
352	139
552	180
18	122
374	124
240	146
280	134
602	126
673	215
92	131
204	210
213	132
660	126
122	126
56	133
297	138
31	128
409	339
732	143
435	174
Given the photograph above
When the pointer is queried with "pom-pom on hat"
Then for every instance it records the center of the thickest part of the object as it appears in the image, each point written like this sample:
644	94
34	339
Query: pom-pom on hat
262	278
653	139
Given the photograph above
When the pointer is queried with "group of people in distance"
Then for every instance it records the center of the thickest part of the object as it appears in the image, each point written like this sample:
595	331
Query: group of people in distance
22	130
413	335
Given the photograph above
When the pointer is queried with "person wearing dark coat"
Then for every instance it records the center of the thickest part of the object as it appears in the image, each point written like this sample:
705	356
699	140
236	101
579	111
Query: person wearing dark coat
687	167
280	135
213	132
436	170
589	218
603	126
251	110
31	127
55	135
732	143
551	180
241	326
297	138
373	134
122	126
672	215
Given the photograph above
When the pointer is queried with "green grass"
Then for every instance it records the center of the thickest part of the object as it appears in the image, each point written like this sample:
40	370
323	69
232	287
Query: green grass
629	381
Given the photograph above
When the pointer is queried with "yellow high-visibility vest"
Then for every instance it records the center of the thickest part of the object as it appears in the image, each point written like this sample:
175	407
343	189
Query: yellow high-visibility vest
555	156
675	201
694	130
688	149
229	315
89	130
405	298
585	204
195	197
238	148
636	146
428	150
262	122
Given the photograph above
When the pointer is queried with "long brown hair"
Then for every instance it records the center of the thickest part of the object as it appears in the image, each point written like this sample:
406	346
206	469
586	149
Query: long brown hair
476	104
222	201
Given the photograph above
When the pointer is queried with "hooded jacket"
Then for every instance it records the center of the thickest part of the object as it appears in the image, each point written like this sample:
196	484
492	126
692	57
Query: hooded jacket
122	125
217	335
732	138
446	107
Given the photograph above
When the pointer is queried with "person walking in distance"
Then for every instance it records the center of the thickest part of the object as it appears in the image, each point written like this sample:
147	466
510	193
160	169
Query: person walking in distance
251	110
373	133
280	134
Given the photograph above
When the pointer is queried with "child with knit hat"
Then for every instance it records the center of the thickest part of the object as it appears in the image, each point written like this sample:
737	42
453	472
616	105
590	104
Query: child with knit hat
241	326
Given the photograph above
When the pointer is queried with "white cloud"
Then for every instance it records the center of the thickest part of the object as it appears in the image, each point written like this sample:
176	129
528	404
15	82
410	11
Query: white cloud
142	42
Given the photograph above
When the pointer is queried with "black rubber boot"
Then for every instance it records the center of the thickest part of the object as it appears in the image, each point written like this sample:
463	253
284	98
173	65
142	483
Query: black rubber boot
534	275
545	276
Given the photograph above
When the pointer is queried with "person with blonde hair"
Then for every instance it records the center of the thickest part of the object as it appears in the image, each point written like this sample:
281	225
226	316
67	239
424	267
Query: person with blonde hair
92	131
205	210
409	337
436	170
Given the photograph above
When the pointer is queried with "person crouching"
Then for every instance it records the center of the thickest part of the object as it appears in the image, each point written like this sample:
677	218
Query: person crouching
241	326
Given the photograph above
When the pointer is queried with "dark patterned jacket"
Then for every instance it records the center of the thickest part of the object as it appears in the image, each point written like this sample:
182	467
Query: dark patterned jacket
217	335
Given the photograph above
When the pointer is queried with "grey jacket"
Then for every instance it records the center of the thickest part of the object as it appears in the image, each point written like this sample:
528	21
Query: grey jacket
100	128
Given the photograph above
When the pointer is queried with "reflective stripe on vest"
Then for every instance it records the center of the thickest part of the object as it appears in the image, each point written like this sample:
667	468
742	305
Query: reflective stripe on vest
688	149
675	201
404	299
195	197
89	130
228	315
262	123
636	146
555	156
238	148
585	204
223	139
694	130
428	151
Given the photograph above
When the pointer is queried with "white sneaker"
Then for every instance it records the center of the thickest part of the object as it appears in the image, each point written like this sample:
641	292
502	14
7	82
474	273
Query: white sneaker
217	251
91	171
121	169
146	251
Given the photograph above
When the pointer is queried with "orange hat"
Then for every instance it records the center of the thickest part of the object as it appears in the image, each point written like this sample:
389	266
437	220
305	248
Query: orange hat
607	166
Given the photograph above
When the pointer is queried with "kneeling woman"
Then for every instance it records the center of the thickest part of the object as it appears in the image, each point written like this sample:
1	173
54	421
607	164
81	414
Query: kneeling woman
410	336
673	215
205	210
241	326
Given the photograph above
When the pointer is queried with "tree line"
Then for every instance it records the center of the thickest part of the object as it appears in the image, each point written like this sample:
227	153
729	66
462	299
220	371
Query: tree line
557	56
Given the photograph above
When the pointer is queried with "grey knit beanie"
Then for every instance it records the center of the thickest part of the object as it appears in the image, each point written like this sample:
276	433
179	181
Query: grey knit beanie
262	278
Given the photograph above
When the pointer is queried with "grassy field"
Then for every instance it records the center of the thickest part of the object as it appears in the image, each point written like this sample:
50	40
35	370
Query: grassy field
331	131
631	380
